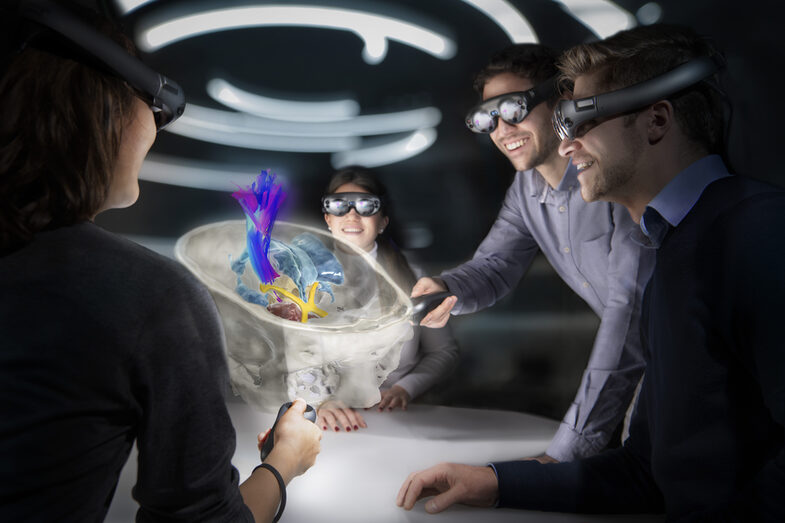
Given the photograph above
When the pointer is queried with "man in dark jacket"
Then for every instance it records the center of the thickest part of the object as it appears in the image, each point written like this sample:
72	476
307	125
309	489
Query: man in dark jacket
706	441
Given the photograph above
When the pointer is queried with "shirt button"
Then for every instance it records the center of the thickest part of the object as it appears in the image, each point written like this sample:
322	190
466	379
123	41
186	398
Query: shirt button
585	284
566	249
562	208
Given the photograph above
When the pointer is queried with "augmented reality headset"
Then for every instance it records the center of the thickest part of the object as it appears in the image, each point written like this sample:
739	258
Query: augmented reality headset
339	204
510	107
569	115
164	96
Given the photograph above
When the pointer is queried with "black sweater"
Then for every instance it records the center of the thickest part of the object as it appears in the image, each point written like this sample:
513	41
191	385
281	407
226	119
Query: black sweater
103	343
706	440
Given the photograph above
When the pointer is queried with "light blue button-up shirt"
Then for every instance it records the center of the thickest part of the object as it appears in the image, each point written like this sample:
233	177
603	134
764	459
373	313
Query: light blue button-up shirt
589	246
676	199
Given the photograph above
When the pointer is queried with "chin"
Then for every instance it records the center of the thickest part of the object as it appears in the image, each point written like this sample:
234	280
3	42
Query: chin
519	164
587	195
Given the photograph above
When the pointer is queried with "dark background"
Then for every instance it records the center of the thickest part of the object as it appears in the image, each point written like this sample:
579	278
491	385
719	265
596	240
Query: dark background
527	352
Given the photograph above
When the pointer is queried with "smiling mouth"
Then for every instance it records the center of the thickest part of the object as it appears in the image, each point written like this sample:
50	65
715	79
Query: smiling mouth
584	165
352	230
515	145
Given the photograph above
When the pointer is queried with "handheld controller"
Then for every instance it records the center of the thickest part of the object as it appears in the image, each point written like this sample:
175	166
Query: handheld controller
309	414
427	302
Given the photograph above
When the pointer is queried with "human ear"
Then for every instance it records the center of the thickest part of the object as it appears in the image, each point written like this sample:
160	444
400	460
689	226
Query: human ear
660	121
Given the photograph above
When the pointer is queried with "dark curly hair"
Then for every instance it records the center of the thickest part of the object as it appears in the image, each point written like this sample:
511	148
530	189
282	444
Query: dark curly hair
60	133
533	61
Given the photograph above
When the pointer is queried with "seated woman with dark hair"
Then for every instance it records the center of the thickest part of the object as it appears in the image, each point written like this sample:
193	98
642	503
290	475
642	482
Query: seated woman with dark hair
105	343
432	353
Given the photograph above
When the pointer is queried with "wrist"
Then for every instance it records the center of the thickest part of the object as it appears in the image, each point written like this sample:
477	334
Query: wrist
282	462
281	487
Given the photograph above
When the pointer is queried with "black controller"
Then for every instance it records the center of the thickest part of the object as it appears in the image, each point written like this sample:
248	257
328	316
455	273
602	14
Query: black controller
427	302
309	414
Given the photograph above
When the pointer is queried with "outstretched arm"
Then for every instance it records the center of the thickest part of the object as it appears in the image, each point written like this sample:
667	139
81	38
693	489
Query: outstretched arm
501	259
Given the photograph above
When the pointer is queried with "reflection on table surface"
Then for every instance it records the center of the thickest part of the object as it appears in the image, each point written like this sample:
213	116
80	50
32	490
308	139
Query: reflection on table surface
357	475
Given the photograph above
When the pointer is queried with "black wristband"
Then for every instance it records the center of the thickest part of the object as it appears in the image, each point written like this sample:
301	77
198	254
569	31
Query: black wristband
281	486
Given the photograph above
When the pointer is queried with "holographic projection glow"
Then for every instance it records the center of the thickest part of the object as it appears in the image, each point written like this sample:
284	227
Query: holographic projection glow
316	318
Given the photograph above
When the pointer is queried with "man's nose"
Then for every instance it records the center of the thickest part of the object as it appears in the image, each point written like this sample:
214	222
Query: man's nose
503	128
567	147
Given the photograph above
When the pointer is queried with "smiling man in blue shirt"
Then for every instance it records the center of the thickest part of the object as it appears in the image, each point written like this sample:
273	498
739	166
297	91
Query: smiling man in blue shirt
706	440
588	244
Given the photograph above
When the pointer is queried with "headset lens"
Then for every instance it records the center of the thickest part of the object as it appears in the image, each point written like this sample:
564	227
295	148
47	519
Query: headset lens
481	122
563	129
340	204
510	107
512	110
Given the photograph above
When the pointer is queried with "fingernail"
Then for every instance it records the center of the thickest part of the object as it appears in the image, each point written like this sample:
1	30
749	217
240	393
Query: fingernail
356	427
431	506
337	429
324	428
348	429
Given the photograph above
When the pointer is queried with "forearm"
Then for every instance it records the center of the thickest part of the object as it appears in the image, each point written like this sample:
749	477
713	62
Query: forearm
616	362
439	358
606	389
484	280
612	482
500	260
261	495
261	492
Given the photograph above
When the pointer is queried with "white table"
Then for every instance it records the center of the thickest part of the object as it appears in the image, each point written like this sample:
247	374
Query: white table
357	475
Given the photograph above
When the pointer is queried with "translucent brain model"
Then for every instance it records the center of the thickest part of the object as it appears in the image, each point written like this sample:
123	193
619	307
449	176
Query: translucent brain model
344	322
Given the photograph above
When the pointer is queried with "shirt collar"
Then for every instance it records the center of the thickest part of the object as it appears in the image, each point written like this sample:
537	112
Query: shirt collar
374	252
676	199
539	187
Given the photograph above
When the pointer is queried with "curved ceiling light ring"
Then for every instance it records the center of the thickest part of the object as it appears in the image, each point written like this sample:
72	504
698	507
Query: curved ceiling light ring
374	30
231	96
197	174
229	122
385	154
508	18
603	17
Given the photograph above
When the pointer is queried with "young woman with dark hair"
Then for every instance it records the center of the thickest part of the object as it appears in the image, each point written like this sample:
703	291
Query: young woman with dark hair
432	353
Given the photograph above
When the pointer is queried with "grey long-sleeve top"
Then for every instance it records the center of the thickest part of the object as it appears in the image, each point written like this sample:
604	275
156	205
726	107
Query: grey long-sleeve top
589	246
429	357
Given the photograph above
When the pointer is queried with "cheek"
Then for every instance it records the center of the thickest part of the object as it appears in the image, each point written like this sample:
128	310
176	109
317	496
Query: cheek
375	223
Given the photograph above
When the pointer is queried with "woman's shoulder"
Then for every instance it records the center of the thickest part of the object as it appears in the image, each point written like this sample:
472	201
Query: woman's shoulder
112	260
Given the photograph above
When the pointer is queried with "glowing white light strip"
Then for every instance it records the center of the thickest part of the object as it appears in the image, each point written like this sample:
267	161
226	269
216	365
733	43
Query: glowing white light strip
601	16
397	151
237	129
364	125
195	174
508	18
329	111
373	29
126	6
